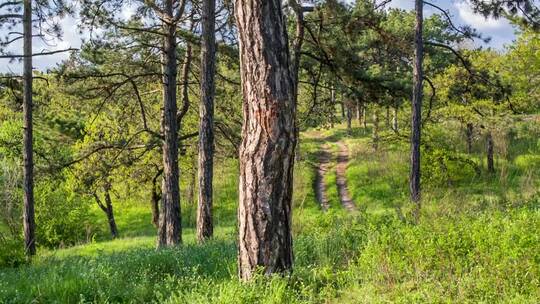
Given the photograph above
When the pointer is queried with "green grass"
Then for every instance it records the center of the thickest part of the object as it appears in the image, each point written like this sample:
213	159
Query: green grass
477	242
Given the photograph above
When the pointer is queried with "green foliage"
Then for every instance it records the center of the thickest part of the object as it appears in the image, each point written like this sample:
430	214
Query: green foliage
61	218
12	253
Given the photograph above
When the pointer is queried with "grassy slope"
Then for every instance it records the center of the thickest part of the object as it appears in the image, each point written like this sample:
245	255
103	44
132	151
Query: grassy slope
478	242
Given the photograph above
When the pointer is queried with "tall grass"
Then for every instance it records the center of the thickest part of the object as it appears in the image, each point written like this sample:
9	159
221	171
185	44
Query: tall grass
477	242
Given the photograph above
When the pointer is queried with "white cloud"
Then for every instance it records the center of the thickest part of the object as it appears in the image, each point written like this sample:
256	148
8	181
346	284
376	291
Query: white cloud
478	21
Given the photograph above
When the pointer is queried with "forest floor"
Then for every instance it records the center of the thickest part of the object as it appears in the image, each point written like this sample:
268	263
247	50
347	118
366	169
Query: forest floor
477	240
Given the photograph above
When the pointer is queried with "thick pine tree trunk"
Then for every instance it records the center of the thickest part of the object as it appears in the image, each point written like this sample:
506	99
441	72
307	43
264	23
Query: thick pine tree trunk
489	150
416	120
469	134
29	225
205	228
169	233
268	139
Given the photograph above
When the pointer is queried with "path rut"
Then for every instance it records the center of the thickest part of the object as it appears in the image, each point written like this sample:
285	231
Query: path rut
320	186
341	168
324	166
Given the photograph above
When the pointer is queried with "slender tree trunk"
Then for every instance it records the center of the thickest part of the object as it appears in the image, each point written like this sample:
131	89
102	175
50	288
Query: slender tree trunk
414	181
469	133
297	44
375	130
110	215
169	222
489	150
268	139
395	125
107	208
156	197
295	61
388	125
364	116
205	228
349	119
29	225
359	112
191	187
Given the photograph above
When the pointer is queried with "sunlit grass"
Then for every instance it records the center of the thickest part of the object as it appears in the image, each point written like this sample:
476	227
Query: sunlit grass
476	242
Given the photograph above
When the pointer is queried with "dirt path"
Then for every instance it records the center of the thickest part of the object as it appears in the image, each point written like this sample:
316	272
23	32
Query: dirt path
320	186
341	168
324	166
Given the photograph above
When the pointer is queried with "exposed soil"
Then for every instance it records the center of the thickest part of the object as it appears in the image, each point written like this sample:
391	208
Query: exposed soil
341	168
323	167
320	186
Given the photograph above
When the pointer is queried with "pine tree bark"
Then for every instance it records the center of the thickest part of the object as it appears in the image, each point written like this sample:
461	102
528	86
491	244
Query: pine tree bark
205	228
416	119
489	150
268	139
29	225
169	233
469	134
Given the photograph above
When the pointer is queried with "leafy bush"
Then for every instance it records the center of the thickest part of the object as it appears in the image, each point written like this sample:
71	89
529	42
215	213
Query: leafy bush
528	161
11	252
61	218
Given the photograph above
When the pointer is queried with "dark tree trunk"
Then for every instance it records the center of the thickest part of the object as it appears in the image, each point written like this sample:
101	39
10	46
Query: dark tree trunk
375	130
169	233
205	228
416	119
268	139
489	150
29	225
388	125
395	125
107	208
156	197
469	133
364	116
191	187
110	215
349	119
295	61
297	44
359	112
